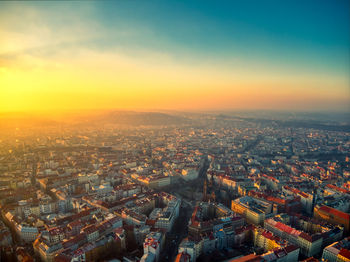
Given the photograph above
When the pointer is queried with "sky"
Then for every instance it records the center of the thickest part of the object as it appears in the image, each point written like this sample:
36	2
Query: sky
175	55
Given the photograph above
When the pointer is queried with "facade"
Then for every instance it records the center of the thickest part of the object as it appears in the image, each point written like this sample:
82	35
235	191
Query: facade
183	257
211	227
264	239
81	243
287	254
152	247
310	243
189	173
209	217
332	216
156	181
27	233
338	251
306	199
190	248
254	210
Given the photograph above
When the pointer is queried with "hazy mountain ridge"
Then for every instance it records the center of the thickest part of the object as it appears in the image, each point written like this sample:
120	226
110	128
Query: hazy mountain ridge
136	118
143	118
112	117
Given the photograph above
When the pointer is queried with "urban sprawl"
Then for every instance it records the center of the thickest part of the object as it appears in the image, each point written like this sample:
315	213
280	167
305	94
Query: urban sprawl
217	190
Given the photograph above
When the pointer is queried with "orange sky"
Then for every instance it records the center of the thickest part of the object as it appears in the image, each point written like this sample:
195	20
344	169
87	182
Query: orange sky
103	81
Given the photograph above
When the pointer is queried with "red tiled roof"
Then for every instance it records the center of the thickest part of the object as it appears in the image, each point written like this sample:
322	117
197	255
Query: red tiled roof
290	248
151	222
311	259
62	258
338	189
345	253
310	238
335	212
183	257
248	258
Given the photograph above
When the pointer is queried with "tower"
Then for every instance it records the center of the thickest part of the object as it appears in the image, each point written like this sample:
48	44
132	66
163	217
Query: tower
314	198
205	198
212	196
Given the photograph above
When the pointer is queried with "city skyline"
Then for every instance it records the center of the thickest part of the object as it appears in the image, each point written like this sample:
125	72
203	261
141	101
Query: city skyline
59	56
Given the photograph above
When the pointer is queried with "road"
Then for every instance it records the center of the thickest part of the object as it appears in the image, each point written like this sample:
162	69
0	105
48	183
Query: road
178	232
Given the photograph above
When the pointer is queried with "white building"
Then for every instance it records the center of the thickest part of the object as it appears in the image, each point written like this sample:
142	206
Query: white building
194	249
27	233
152	247
167	217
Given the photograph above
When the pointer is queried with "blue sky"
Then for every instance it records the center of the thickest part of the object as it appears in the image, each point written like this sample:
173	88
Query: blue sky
311	32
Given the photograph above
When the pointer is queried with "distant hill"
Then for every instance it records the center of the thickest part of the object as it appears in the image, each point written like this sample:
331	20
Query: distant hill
92	118
141	118
134	118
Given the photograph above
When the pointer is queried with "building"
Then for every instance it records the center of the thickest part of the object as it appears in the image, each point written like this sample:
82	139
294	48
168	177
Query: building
254	210
183	257
190	248
286	254
212	226
152	247
332	216
306	199
265	239
189	173
168	215
338	251
280	205
310	242
209	217
155	181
